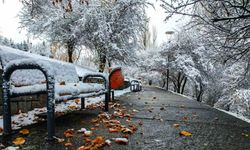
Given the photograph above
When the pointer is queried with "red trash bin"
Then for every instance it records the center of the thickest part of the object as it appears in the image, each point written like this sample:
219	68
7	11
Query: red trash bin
116	78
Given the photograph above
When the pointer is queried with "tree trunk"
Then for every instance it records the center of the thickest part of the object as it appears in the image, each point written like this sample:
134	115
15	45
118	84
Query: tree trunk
70	48
167	79
179	83
102	62
164	83
183	86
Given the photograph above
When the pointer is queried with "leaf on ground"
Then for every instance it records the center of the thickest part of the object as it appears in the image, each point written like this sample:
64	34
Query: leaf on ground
132	127
122	141
140	123
92	129
127	131
24	131
77	101
62	83
69	133
87	140
19	141
176	125
185	133
99	140
84	148
72	107
114	130
68	144
185	118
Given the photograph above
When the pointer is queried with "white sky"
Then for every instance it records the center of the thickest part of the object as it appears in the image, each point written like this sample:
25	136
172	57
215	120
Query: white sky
9	21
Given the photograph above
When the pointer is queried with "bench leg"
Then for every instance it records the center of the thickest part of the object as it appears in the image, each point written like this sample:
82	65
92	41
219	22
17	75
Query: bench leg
82	103
112	95
50	115
107	99
6	110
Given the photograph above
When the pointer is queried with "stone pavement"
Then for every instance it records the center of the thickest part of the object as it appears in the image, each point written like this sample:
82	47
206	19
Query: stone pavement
159	111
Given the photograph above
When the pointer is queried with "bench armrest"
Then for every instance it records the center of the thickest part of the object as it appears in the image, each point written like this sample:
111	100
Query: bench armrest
106	81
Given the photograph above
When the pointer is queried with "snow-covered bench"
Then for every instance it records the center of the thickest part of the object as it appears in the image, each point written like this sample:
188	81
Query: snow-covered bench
25	74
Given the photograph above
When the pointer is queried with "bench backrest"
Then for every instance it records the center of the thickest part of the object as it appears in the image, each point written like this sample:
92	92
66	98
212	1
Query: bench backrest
64	72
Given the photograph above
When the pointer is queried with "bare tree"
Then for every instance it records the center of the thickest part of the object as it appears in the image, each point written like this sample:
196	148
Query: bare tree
225	23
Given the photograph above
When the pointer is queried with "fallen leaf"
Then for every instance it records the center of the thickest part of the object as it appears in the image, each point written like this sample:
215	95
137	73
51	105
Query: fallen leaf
132	127
125	136
83	148
24	131
176	125
122	141
87	140
68	144
77	101
69	133
19	141
97	125
185	118
127	131
140	123
92	129
62	83
113	130
95	121
72	107
185	133
99	140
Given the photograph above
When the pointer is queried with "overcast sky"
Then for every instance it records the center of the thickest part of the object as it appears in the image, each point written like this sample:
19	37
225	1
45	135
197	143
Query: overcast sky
9	21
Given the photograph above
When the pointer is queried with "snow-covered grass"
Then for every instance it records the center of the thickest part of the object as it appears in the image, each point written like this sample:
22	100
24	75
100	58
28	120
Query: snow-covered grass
24	119
235	115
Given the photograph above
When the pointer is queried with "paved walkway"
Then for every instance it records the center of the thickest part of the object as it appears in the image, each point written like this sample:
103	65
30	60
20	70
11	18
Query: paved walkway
159	111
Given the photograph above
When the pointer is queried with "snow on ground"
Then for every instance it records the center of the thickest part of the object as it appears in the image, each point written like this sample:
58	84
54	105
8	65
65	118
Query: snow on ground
235	115
24	119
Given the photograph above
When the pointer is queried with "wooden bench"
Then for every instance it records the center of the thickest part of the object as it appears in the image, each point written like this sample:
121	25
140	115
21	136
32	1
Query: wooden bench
59	80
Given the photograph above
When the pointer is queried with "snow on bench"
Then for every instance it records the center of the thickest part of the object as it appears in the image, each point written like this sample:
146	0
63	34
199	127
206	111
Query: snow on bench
25	73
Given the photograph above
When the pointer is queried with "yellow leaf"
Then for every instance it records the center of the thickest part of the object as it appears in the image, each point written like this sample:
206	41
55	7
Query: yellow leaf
99	140
19	141
185	133
69	133
68	144
24	131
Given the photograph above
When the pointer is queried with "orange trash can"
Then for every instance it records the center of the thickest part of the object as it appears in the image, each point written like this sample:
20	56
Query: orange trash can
116	78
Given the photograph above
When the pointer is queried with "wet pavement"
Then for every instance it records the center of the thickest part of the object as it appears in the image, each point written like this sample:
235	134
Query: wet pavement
158	110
